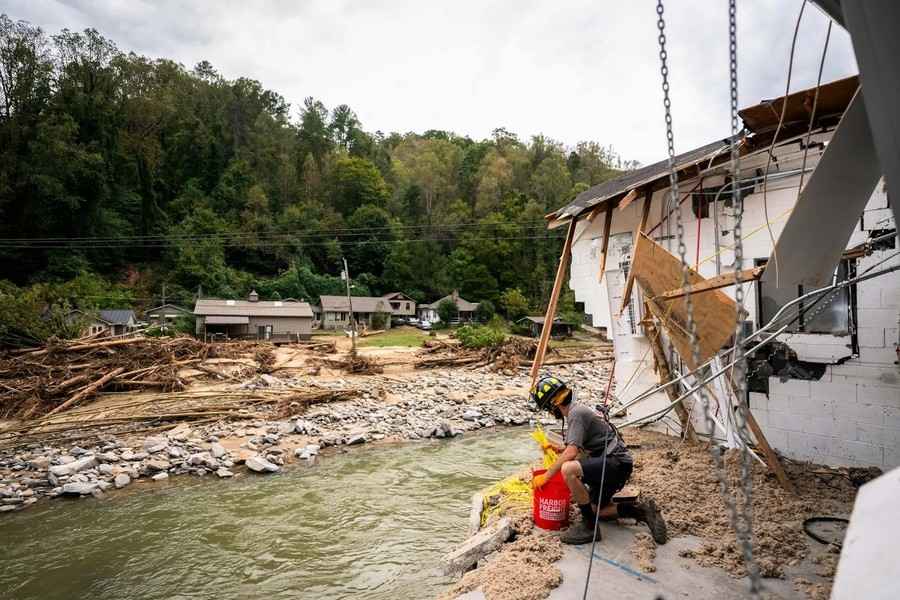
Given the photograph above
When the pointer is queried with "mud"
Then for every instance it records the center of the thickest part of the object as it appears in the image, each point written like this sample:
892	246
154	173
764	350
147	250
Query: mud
643	549
682	479
524	569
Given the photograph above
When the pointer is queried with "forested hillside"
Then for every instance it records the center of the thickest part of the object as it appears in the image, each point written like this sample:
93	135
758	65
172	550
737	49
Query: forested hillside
119	173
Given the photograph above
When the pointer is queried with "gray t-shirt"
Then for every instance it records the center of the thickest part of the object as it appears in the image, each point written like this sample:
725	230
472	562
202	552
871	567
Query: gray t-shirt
589	431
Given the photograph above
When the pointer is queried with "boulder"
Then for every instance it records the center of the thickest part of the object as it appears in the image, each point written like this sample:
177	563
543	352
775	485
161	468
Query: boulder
121	480
39	463
158	464
223	472
261	465
217	450
160	476
471	415
154	445
73	467
357	439
79	489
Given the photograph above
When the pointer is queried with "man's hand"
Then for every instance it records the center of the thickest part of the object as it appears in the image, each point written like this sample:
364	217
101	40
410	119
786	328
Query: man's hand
538	481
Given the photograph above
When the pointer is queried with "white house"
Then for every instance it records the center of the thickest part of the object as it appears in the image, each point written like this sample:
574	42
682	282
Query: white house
830	391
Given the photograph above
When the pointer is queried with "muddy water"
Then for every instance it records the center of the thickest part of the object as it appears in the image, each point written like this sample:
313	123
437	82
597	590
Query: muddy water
371	523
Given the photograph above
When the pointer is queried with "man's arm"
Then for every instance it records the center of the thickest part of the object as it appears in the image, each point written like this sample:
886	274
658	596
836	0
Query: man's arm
570	453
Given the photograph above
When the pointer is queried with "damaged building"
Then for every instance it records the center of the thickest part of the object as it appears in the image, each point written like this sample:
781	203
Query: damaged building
827	388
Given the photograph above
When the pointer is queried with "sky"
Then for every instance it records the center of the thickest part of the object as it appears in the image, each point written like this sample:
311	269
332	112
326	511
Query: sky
572	70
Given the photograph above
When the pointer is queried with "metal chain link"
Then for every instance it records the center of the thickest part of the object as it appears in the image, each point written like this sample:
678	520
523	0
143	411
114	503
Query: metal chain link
738	521
743	519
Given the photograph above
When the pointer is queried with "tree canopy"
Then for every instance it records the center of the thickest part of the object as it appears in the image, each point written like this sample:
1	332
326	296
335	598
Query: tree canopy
139	172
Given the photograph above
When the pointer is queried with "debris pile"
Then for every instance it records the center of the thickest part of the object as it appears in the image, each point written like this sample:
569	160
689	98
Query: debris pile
683	482
506	357
355	364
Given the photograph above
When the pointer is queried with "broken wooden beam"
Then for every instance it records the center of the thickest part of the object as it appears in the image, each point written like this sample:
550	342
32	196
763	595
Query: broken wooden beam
607	223
714	283
628	199
665	376
88	390
551	305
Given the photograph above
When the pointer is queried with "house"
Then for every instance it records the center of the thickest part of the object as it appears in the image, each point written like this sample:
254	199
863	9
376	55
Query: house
271	320
558	329
401	304
334	311
429	312
826	389
119	321
166	314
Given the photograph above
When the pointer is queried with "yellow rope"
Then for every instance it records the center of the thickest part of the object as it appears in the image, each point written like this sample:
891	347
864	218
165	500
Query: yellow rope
748	235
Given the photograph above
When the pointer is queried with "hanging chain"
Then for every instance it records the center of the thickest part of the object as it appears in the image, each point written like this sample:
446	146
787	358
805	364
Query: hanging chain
739	519
743	519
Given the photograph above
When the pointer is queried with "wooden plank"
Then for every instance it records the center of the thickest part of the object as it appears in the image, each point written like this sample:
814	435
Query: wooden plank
657	271
665	375
629	283
607	223
628	199
713	283
551	305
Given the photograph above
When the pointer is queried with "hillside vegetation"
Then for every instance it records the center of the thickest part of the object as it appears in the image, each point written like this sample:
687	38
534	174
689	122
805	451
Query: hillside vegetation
120	173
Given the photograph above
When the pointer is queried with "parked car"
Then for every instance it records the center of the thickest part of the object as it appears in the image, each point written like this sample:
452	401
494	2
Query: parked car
399	321
413	321
425	326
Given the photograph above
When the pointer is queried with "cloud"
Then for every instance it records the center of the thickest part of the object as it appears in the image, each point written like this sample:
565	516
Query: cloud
575	70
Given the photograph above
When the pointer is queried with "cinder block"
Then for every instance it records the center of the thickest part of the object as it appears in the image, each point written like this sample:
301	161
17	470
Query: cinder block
890	298
878	317
761	416
855	371
832	391
778	438
831	427
883	395
871	337
759	401
868	295
891	458
812	406
892	417
789	387
868	454
879	436
809	445
879	357
860	412
786	420
780	402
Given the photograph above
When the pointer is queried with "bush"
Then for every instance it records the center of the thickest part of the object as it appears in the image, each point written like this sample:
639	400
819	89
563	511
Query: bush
448	310
380	320
479	336
485	311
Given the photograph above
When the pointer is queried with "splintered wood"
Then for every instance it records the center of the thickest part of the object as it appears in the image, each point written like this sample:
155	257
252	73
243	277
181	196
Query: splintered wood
63	375
657	271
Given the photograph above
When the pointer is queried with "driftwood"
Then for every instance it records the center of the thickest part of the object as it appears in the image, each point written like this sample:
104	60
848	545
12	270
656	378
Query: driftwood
87	391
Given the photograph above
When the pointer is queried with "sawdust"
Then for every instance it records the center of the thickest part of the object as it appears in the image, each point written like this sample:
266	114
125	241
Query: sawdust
643	549
682	479
812	590
521	570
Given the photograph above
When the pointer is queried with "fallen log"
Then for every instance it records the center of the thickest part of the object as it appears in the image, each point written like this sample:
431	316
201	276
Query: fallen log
568	361
87	391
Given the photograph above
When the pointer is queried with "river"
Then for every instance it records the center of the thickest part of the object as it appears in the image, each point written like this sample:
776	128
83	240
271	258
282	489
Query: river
369	523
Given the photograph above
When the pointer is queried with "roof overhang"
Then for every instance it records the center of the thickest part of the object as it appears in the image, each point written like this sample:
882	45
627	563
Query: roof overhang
227	320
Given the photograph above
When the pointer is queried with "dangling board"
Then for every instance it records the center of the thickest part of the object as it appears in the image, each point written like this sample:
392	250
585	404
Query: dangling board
657	271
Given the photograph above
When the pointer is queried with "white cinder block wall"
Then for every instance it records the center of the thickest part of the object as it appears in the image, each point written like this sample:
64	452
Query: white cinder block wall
849	417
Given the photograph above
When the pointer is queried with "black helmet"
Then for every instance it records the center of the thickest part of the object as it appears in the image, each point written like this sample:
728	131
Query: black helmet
547	393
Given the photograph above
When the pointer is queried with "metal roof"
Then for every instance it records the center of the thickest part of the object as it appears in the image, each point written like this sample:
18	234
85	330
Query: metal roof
227	320
461	303
117	316
262	308
637	178
361	304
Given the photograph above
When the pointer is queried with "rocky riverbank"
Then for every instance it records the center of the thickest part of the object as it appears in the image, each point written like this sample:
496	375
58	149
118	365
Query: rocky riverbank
411	406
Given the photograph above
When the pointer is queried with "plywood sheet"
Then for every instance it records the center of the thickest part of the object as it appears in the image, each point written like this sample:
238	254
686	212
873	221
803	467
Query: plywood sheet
657	271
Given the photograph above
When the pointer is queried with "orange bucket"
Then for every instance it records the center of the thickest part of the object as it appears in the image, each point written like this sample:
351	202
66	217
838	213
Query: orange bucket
551	502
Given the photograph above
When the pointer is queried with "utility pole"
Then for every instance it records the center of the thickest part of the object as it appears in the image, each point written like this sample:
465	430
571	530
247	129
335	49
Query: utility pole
346	275
163	322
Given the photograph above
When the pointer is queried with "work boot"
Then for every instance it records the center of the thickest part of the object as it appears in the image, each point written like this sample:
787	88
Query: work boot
582	531
646	512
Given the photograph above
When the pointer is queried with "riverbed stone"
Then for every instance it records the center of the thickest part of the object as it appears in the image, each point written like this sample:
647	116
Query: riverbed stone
158	464
73	467
223	472
121	480
39	463
154	445
471	415
217	450
356	440
79	489
105	469
261	465
160	476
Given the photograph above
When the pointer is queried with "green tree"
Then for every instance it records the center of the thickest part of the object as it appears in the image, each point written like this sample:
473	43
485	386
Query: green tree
356	182
514	304
448	310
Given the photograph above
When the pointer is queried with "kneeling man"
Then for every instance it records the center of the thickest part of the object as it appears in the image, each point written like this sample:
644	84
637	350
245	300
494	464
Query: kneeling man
595	464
